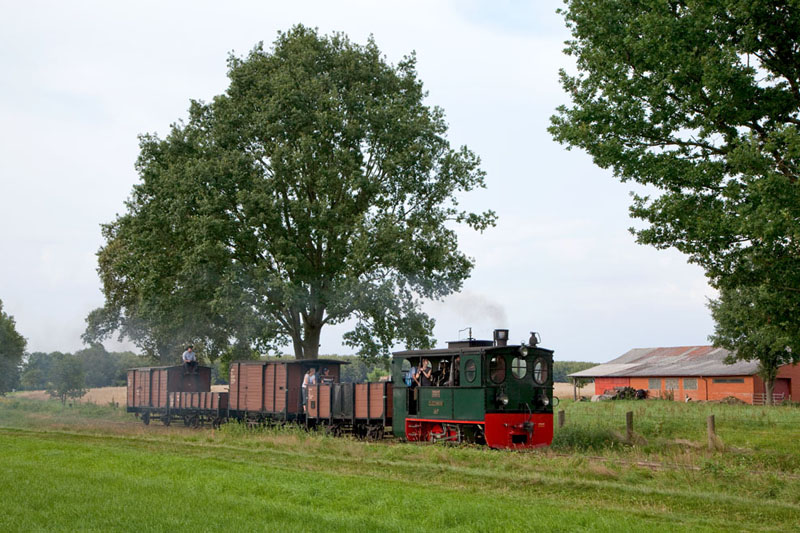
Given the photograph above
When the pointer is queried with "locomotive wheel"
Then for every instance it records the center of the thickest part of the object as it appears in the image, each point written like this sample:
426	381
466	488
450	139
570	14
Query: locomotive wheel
146	419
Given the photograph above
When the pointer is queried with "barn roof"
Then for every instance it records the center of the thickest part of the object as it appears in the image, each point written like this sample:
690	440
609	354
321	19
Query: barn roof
675	361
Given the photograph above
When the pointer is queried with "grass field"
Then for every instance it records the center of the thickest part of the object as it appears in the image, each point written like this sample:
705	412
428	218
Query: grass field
92	467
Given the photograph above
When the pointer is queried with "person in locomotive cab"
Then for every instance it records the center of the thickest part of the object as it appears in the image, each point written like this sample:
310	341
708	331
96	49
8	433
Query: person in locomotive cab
325	376
189	361
441	375
452	379
411	377
424	376
308	379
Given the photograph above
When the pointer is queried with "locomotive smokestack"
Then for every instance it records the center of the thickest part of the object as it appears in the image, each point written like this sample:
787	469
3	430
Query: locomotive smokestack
501	337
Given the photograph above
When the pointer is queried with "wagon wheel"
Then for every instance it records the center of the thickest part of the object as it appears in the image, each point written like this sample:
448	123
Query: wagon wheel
167	420
216	422
197	421
187	420
146	419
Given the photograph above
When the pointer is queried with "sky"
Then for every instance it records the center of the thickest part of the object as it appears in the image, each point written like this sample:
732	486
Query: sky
79	81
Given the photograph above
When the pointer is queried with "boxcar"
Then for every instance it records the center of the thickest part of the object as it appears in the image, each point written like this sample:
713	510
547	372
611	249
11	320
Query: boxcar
271	390
149	389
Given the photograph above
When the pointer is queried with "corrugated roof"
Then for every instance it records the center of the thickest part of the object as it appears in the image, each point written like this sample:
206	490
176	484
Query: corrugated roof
674	361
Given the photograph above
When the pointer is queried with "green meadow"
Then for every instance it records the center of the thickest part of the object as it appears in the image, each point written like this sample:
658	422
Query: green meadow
95	468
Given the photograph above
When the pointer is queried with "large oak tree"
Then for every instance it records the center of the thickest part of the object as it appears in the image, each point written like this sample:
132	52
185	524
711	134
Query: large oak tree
319	188
700	102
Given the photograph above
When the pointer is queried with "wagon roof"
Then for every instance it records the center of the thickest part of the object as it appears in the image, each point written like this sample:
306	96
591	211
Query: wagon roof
167	367
672	361
294	361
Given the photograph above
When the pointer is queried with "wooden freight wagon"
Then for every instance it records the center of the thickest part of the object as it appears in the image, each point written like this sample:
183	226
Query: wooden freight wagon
149	389
271	390
195	408
363	408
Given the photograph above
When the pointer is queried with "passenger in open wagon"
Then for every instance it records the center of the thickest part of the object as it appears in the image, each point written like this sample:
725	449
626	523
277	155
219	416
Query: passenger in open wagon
308	379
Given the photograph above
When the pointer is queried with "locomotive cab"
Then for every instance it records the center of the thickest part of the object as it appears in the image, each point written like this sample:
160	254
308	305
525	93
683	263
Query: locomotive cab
484	391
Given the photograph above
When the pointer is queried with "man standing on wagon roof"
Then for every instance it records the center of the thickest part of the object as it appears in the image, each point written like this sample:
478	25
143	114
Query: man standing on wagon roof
189	361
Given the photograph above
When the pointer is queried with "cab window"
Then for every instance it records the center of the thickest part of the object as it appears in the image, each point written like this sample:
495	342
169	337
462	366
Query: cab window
470	371
497	369
540	371
519	367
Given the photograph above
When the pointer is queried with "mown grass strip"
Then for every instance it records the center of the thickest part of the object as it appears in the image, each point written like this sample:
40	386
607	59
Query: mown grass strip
456	488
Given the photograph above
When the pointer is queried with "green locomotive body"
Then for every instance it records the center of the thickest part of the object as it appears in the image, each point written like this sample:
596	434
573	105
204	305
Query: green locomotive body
482	391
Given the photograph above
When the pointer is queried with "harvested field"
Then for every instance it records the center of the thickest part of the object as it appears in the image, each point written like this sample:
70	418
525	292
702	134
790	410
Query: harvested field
106	395
564	390
99	396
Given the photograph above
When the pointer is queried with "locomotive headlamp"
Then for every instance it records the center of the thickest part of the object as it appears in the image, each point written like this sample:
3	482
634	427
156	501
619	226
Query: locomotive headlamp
544	399
502	398
523	351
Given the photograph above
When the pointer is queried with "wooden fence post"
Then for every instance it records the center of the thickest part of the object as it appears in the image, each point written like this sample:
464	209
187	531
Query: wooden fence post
629	425
712	433
561	419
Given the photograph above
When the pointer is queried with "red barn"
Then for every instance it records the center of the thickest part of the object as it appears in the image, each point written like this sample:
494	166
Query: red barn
691	372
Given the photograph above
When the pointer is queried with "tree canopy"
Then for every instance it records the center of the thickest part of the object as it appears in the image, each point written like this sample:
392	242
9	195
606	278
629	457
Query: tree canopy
12	348
318	188
67	378
700	102
759	324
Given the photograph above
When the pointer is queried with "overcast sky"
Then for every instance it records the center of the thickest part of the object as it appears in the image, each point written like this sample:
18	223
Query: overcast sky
80	80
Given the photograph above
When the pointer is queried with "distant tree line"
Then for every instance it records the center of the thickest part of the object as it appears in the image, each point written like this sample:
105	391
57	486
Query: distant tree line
562	369
98	367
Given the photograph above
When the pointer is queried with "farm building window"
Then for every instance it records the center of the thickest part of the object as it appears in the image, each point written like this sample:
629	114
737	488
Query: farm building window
654	383
690	384
671	384
519	367
497	369
728	380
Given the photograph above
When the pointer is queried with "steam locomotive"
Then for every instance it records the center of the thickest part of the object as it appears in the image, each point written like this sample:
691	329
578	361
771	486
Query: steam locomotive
480	391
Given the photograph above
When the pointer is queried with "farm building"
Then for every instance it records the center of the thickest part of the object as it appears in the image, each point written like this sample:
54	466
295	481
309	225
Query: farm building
691	372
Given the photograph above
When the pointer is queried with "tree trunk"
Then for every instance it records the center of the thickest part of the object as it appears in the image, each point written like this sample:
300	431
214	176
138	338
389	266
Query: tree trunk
311	336
297	344
769	385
